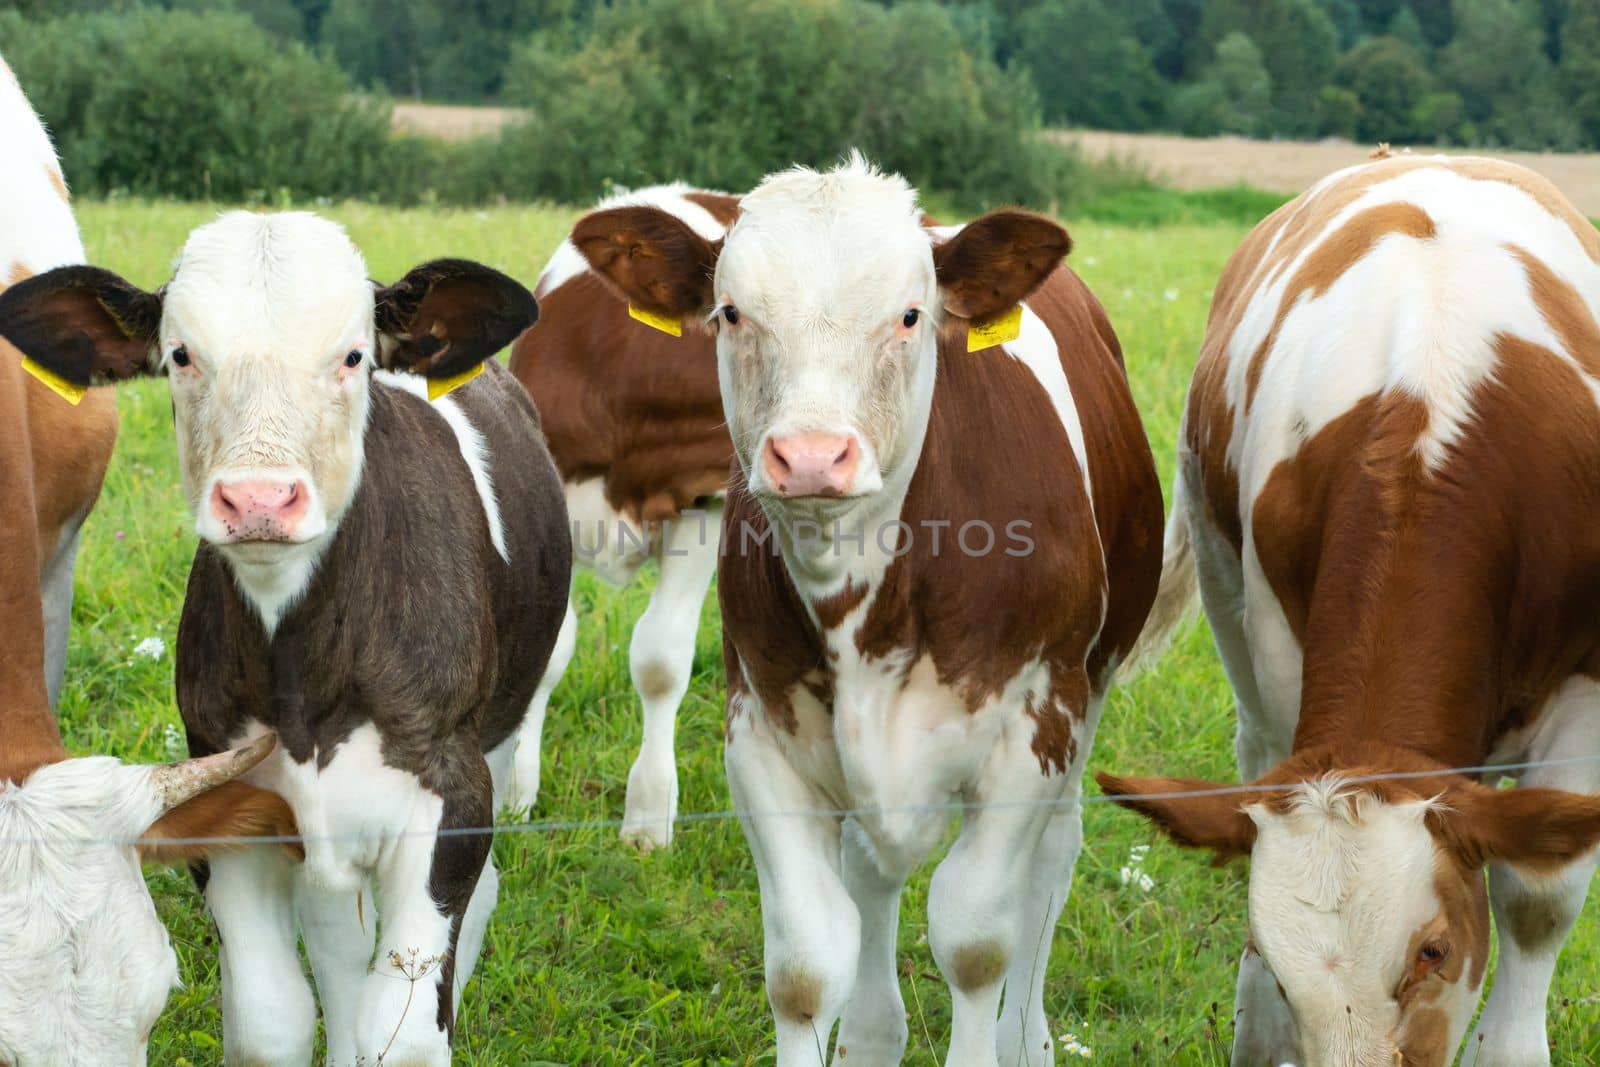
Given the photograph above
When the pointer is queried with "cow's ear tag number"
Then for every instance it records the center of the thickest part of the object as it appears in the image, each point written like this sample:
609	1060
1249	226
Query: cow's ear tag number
656	322
986	333
58	385
438	387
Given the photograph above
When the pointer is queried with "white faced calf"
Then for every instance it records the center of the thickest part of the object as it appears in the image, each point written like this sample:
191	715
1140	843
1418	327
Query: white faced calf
380	581
935	564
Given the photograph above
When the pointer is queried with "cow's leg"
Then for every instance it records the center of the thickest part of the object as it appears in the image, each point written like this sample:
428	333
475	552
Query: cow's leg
55	588
268	1014
425	883
872	1031
1263	1028
521	792
983	920
1025	1037
811	924
339	928
1534	916
662	657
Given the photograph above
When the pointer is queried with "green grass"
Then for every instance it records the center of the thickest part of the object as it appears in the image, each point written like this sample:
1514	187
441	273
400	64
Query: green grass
599	956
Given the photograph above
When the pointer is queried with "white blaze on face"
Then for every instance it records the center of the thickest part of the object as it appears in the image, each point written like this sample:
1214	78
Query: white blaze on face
820	367
87	963
268	311
1339	887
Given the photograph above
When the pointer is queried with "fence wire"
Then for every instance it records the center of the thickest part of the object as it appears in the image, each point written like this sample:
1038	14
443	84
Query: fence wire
549	826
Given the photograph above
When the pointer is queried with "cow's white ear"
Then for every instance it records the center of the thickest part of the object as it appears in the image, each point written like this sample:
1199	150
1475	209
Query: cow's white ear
447	316
82	325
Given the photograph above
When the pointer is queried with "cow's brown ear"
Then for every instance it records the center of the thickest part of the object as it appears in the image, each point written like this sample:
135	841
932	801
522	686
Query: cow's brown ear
84	325
1535	830
1216	822
652	257
996	260
233	811
447	316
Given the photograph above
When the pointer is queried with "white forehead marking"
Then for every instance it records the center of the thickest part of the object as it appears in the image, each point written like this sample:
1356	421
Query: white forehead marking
841	247
288	284
1338	886
472	446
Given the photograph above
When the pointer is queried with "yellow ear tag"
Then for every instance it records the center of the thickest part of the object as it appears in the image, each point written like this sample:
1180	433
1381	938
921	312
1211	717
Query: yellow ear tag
658	322
986	333
438	387
72	394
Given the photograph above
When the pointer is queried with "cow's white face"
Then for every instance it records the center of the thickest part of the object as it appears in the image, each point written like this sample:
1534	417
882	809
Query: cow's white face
1375	933
827	296
267	338
827	326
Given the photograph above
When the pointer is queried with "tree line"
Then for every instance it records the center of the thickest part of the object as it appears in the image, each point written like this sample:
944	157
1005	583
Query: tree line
1515	73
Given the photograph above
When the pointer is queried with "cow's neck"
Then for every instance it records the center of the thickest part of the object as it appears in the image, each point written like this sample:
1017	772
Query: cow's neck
272	586
1402	654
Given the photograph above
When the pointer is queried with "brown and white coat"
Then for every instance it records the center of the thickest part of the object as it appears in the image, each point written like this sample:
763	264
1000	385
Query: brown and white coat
634	422
932	565
1389	489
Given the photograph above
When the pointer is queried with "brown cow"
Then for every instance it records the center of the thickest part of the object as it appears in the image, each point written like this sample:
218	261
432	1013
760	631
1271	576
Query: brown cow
943	543
1389	485
634	421
87	963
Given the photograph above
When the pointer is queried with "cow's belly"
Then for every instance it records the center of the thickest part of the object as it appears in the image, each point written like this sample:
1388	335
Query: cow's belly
903	754
348	810
604	539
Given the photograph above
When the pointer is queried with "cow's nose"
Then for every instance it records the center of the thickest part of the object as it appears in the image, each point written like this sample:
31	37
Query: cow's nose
811	464
258	510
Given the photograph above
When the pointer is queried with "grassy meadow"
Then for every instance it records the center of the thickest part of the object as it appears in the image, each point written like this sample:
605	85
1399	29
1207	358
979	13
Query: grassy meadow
598	955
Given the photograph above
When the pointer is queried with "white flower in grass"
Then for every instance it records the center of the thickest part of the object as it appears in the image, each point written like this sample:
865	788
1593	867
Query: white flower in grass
150	648
172	740
1073	1047
1171	295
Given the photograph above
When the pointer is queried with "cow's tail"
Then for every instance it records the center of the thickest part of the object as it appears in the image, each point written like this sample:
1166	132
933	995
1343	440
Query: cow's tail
1177	598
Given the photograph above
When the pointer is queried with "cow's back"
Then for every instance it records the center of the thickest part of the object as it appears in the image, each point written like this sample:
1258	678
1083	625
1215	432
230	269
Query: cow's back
1395	413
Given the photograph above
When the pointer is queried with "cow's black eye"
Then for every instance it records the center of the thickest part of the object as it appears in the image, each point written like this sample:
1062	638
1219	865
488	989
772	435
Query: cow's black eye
353	359
911	317
731	314
180	356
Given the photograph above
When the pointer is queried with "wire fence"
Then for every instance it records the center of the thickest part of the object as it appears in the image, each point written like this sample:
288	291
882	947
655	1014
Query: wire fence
550	826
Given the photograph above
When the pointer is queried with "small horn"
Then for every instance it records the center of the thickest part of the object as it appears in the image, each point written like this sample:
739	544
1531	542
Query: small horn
186	779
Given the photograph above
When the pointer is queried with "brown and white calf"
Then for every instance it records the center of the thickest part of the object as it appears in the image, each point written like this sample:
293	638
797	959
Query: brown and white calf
634	422
932	566
1389	487
87	963
379	581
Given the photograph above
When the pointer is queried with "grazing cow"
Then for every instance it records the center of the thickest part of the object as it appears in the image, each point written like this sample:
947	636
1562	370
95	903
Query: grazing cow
933	562
86	963
634	422
1389	488
379	581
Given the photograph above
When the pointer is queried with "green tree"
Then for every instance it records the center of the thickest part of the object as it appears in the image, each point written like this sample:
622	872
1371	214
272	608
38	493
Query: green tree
1437	19
1089	71
1232	95
1580	69
134	103
1297	43
1405	26
1346	18
1497	64
1389	79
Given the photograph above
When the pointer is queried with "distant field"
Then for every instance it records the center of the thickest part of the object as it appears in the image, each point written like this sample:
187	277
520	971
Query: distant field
449	122
598	956
1290	166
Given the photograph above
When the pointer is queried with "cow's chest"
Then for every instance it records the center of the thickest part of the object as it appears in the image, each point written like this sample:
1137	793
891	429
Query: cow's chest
900	748
350	803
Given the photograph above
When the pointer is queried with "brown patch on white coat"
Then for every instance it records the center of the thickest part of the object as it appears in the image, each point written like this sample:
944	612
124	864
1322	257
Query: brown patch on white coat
1388	471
